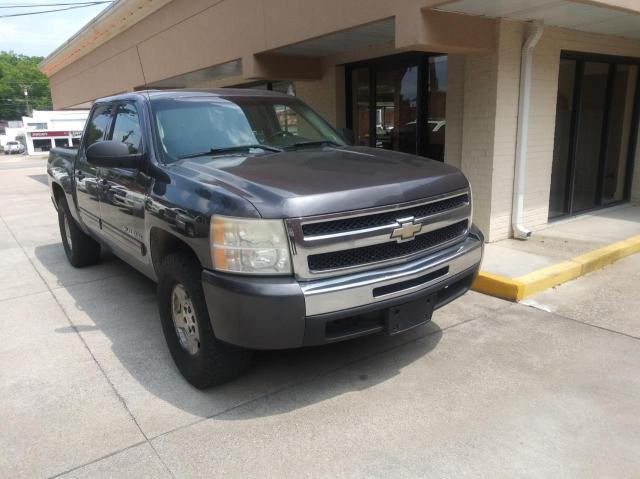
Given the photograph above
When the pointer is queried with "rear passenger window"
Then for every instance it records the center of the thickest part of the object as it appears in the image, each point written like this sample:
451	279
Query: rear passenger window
127	128
99	124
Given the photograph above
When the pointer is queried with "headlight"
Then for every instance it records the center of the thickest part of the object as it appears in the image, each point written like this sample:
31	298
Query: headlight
250	246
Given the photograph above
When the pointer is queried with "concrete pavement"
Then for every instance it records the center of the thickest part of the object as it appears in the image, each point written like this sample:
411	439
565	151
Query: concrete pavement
488	389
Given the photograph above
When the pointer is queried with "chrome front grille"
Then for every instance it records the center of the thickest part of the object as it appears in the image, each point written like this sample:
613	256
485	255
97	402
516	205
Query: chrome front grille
330	245
382	219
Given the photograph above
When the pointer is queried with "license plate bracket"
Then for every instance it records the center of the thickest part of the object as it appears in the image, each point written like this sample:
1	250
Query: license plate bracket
408	315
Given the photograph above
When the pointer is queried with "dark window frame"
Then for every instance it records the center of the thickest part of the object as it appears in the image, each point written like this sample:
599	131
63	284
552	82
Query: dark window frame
612	61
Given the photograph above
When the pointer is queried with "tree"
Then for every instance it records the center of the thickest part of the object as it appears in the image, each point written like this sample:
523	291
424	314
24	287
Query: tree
16	71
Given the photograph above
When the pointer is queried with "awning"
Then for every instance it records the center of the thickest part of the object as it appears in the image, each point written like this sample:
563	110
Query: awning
595	17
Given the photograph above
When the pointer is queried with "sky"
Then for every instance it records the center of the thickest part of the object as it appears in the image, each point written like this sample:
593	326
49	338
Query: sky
39	35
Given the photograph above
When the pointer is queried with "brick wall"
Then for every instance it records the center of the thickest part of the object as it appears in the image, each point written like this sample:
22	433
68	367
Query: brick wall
489	118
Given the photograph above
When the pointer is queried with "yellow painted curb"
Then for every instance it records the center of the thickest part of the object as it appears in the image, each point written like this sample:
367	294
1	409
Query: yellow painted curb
500	286
545	278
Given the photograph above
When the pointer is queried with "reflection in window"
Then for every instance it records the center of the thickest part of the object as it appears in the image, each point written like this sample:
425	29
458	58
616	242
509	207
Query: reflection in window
437	107
397	108
127	128
619	131
360	105
98	124
194	126
564	110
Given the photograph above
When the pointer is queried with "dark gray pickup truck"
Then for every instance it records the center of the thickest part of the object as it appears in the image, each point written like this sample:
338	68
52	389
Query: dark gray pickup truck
262	226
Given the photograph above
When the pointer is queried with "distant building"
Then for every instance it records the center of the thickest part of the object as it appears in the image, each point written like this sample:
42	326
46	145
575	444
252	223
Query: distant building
44	130
47	129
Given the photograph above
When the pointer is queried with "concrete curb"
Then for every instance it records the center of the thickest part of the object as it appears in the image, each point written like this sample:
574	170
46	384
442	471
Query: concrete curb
519	288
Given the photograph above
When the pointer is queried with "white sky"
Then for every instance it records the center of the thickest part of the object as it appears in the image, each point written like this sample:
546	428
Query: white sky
41	34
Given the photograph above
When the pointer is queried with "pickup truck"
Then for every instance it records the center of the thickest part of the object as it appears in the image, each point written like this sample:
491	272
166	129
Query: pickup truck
13	147
262	226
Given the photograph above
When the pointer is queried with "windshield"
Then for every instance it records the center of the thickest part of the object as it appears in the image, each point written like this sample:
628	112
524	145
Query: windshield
193	126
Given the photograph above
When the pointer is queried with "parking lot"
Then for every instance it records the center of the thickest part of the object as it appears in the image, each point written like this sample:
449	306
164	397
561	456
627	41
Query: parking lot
488	389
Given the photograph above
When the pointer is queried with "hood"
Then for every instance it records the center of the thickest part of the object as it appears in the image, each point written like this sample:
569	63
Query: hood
315	181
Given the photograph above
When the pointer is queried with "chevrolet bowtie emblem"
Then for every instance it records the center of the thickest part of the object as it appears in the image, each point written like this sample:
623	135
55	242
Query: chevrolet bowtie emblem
408	229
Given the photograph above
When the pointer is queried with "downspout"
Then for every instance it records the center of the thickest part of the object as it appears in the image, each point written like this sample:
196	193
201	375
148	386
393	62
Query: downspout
517	206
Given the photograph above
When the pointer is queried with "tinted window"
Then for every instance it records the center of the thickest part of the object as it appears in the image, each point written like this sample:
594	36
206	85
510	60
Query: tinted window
99	124
127	128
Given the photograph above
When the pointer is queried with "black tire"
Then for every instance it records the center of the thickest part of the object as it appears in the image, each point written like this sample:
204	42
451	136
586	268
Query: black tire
214	362
80	248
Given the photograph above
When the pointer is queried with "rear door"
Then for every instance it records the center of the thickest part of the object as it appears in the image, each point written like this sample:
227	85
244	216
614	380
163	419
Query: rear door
87	188
124	190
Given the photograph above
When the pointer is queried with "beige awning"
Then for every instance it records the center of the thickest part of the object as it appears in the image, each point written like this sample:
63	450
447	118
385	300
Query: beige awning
619	17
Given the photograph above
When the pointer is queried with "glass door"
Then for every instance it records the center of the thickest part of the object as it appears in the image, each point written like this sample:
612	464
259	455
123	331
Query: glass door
398	103
397	107
593	96
596	120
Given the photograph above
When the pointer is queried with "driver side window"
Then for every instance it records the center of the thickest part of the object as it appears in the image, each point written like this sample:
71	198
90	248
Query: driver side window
127	128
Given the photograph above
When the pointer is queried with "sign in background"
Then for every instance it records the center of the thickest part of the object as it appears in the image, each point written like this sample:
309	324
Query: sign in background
51	134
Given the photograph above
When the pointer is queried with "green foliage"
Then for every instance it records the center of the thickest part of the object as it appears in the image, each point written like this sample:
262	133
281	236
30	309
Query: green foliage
17	70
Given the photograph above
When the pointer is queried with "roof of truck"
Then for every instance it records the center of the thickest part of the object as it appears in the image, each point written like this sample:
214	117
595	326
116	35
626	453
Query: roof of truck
190	93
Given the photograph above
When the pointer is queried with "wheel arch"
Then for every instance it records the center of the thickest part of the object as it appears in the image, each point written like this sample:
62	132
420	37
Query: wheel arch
57	193
163	243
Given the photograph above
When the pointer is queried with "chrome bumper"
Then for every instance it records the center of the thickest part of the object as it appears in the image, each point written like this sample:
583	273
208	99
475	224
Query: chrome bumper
350	291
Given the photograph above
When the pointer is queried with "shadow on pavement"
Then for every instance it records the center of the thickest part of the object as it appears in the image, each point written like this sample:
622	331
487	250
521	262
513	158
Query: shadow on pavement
123	310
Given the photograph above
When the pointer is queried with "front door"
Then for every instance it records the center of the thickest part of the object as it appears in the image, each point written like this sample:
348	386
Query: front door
596	124
122	205
86	177
398	103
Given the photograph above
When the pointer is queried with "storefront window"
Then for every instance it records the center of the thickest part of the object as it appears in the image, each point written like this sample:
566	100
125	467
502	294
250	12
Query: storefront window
397	108
408	93
360	101
594	130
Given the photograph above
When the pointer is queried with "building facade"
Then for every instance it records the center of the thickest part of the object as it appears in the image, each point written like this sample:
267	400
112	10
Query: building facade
536	101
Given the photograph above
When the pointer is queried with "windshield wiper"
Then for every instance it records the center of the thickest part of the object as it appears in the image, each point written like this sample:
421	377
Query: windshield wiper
231	149
316	143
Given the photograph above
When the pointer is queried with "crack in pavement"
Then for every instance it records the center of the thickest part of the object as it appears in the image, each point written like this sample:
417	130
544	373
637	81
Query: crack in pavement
88	349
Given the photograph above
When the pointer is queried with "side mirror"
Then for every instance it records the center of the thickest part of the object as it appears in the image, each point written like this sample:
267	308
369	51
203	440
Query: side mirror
347	135
113	154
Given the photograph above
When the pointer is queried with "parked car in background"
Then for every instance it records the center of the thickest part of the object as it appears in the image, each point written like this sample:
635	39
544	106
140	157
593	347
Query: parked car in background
262	226
13	147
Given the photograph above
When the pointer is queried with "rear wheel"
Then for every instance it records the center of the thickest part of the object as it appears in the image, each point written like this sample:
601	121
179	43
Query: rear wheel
80	248
202	359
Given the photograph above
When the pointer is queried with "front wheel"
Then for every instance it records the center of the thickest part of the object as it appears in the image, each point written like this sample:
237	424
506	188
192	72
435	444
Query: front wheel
202	359
80	248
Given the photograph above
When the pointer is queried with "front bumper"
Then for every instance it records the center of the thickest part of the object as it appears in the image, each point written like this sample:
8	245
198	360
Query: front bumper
282	313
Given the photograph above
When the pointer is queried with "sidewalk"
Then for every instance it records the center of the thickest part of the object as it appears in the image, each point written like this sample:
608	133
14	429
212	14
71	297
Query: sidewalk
514	269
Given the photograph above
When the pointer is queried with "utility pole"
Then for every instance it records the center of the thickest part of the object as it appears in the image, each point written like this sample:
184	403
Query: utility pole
26	87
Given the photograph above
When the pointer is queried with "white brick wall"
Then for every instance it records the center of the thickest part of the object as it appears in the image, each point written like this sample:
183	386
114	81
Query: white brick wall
489	129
